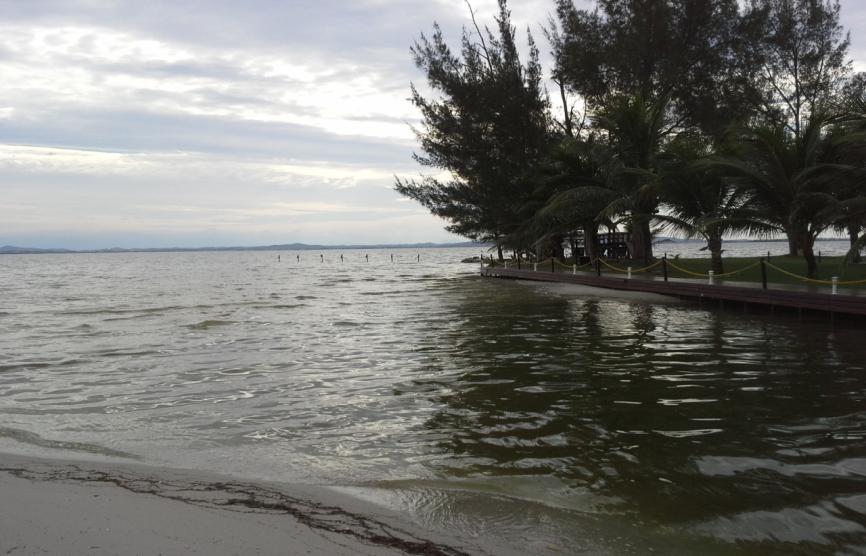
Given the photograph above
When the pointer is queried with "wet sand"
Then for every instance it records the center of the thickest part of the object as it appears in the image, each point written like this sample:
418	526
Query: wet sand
63	507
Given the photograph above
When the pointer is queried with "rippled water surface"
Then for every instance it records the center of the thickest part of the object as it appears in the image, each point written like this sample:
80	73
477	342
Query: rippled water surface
562	418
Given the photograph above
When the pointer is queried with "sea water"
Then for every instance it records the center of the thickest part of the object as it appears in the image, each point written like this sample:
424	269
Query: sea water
556	417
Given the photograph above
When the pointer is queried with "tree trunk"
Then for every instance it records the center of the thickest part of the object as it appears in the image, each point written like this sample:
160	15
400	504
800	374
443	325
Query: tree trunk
590	240
807	243
714	244
641	239
793	244
556	249
854	235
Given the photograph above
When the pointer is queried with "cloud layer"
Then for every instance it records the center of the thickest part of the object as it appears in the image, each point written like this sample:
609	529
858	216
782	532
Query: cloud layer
214	122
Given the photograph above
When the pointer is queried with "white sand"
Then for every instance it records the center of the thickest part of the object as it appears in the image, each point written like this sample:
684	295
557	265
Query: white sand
92	508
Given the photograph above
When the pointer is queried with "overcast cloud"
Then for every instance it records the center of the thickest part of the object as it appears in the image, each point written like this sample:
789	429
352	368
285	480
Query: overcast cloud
216	122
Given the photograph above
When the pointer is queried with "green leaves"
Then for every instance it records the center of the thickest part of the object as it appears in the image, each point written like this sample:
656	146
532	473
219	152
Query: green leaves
488	125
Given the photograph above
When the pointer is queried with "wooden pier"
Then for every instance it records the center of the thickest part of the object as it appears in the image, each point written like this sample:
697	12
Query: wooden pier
823	302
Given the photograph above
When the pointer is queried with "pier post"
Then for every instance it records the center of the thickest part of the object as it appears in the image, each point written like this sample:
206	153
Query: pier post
628	276
665	266
534	267
506	265
710	276
597	267
835	280
573	269
518	261
552	263
764	274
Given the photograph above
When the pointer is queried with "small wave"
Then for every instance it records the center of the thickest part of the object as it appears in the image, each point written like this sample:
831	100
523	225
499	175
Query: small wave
688	433
27	365
207	324
123	311
305	297
27	437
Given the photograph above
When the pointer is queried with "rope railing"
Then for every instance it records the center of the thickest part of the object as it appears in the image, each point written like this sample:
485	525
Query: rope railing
552	263
572	266
707	275
627	270
815	280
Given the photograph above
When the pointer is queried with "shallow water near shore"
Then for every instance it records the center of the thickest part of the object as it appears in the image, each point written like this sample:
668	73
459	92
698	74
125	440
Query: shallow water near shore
559	418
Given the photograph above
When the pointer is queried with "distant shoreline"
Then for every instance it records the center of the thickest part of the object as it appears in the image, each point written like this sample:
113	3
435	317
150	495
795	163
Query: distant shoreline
13	250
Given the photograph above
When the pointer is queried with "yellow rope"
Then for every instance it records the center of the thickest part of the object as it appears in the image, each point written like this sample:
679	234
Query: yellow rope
814	281
570	267
724	275
625	270
735	272
684	271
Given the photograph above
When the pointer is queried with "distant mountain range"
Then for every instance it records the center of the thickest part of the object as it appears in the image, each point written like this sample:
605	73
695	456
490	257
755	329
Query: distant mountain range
13	250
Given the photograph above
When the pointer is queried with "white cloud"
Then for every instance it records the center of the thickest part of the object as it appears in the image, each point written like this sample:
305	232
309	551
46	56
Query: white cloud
214	121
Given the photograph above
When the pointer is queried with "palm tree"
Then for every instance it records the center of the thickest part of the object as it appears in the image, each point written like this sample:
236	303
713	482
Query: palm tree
699	201
637	128
792	181
583	178
850	136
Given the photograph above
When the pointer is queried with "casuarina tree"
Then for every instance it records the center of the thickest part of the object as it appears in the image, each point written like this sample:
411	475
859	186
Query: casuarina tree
486	124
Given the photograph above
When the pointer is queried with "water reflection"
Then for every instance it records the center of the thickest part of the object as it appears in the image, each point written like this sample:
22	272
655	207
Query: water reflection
749	428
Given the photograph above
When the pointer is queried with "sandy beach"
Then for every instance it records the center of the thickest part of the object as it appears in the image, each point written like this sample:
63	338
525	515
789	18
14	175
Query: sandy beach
64	507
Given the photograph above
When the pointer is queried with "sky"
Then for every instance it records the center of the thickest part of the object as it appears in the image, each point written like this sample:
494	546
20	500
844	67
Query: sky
223	122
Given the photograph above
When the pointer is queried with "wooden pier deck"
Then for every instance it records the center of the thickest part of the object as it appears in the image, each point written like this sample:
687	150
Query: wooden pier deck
817	301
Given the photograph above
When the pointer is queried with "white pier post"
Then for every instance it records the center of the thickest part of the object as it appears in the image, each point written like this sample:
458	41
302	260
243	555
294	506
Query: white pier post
534	267
835	281
628	276
573	269
711	274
